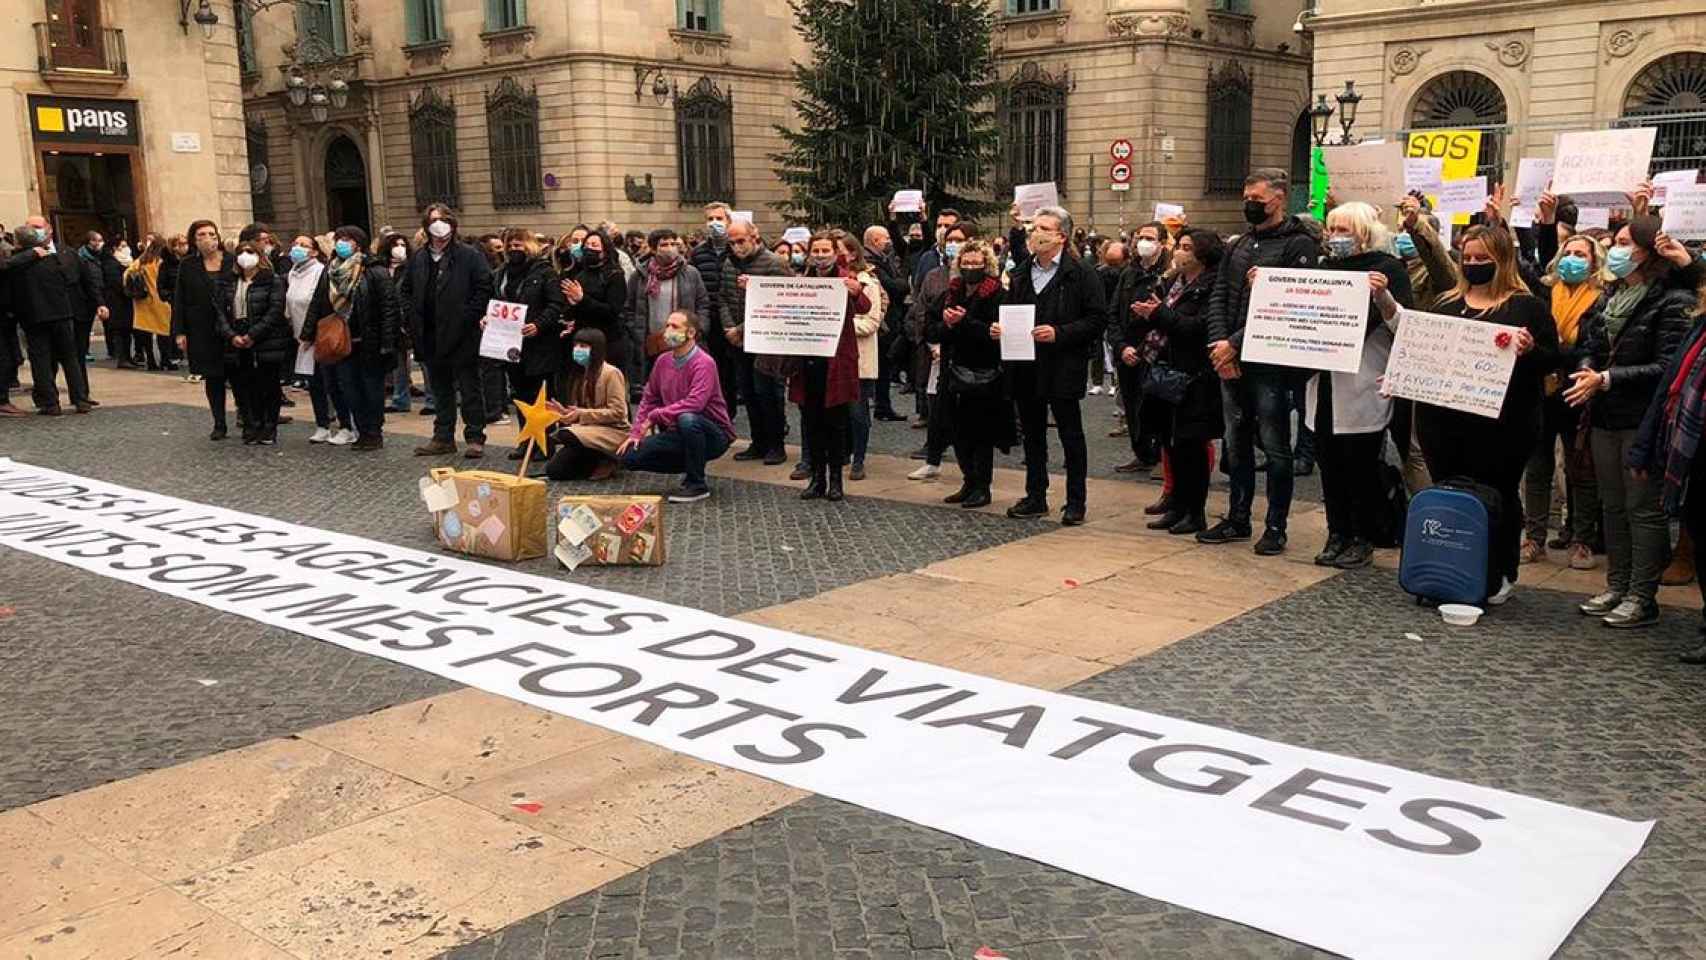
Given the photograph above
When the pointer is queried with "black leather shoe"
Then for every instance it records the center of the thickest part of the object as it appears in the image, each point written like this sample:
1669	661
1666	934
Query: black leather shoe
1028	509
1195	523
750	453
1329	554
800	473
958	496
813	491
1357	554
1072	515
1696	656
776	457
1163	505
1165	521
834	493
1130	466
975	501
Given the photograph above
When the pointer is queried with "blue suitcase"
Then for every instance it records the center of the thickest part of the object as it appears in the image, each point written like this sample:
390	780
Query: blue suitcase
1447	543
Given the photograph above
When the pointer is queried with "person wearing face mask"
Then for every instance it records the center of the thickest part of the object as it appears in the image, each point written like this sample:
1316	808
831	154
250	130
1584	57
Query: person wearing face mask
90	308
1645	313
866	326
827	388
880	254
301	282
710	258
972	394
117	327
47	288
597	296
767	418
445	286
151	315
359	290
256	339
667	283
1257	398
682	424
594	411
528	279
393	251
939	432
195	321
1128	336
1494	451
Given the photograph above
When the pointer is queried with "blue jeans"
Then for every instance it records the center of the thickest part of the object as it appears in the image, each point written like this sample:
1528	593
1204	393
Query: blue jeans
1258	406
694	442
404	372
362	383
326	396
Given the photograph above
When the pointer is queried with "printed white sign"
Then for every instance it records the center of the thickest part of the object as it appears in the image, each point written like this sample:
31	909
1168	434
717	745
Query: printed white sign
1370	172
741	215
908	201
501	339
1424	175
186	143
794	316
1165	210
1361	859
1601	166
797	234
1017	322
1032	197
1462	196
1685	212
1315	319
1662	182
1451	362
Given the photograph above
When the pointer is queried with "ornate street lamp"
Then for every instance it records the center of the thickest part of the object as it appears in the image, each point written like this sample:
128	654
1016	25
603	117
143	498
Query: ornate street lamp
317	100
339	89
1319	114
296	87
204	17
1348	101
660	86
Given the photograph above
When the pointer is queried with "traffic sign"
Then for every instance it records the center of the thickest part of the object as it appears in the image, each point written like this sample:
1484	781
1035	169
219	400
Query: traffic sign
1120	149
1120	172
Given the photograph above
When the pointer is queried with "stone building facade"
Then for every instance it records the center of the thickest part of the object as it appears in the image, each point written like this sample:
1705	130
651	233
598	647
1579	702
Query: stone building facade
123	119
1520	70
548	113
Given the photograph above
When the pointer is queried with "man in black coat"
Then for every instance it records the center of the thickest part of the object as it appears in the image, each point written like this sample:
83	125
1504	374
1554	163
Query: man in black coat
1257	398
445	286
880	251
707	258
1070	316
47	286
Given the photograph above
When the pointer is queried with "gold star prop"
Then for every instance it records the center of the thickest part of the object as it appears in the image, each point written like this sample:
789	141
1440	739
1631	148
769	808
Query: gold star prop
536	419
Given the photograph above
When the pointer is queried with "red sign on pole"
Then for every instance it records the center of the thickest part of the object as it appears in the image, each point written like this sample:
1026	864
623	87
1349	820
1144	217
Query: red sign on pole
1120	149
1120	172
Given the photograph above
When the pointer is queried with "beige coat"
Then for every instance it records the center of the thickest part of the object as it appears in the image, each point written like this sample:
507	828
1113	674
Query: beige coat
603	424
866	325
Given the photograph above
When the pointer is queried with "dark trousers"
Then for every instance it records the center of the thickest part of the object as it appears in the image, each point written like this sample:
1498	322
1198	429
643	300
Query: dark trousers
939	433
327	396
361	381
85	327
118	340
921	363
54	345
480	388
685	449
255	383
885	376
1130	380
862	419
571	460
766	411
1350	481
1189	462
824	428
732	373
1258	406
975	424
1069	423
1493	457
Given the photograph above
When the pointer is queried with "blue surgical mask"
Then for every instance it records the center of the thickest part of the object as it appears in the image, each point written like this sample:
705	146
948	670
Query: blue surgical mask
1010	263
1620	262
582	355
344	249
719	229
1405	246
798	259
298	255
952	249
1573	269
575	250
1341	247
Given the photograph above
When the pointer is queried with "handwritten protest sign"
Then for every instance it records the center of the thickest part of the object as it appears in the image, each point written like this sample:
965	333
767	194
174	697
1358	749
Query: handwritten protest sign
1370	172
1165	210
501	338
1462	196
1459	152
1598	167
1451	362
908	201
1533	174
794	316
1593	218
1424	175
1662	182
1685	212
1032	197
1315	319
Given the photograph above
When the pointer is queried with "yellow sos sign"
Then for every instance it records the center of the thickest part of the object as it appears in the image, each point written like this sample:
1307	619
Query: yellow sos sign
1458	150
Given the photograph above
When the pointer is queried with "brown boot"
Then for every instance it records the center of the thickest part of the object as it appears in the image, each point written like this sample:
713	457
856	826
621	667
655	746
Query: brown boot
435	448
1681	569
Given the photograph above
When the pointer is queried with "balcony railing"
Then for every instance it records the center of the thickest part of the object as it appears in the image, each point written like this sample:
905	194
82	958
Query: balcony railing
80	52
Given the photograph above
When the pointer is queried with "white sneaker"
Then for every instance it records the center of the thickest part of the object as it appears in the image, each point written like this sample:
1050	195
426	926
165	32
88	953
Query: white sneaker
320	435
927	473
1095	391
1506	588
342	438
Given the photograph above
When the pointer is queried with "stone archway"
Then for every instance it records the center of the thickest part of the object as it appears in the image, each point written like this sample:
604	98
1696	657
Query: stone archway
347	202
1670	94
1466	100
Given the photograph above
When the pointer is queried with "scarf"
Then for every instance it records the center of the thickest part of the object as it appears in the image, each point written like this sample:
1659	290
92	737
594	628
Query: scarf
657	273
1620	306
983	291
1569	305
1685	412
344	277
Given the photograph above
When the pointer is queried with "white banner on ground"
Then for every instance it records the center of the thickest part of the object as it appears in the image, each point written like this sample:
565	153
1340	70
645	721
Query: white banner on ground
1362	859
1451	362
1314	319
794	316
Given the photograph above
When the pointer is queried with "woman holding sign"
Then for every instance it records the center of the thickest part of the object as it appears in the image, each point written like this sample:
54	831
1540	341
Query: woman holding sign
827	388
526	279
970	385
1462	445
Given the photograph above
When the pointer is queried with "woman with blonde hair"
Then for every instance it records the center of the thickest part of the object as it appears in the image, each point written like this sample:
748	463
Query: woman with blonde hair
152	313
971	386
1494	451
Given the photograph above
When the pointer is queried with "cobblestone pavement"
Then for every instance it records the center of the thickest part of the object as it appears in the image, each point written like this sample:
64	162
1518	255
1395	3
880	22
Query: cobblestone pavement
1529	702
111	671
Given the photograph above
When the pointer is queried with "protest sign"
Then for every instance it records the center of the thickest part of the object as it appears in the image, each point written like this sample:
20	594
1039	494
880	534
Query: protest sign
1017	322
1165	210
797	234
501	338
1315	319
1662	182
304	366
794	316
1451	362
908	201
1685	212
1032	197
1423	175
1459	153
1370	172
1599	167
1533	175
1590	218
742	215
1462	196
1361	859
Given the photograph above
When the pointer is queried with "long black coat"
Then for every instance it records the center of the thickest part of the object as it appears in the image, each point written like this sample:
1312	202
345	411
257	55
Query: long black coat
51	288
537	288
120	311
1071	303
1198	416
375	316
265	321
443	313
604	300
195	314
1641	352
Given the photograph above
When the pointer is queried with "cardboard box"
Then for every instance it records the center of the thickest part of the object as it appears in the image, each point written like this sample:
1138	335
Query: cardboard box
497	515
609	531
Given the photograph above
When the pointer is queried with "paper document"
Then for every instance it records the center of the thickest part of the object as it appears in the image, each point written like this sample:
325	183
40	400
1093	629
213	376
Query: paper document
1017	322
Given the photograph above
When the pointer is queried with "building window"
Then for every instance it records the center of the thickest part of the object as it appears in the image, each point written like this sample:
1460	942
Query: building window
1032	119
1466	100
512	126
432	142
260	173
423	21
320	30
1230	96
1021	7
1231	6
705	16
1670	94
704	142
505	15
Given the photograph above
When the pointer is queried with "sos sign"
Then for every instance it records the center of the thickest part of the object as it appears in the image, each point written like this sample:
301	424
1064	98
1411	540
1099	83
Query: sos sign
1459	149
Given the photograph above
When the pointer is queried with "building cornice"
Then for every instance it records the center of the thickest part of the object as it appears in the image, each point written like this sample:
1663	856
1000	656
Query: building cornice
1052	50
1438	12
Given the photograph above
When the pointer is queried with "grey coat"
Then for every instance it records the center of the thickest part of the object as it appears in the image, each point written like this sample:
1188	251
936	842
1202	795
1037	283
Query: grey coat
690	295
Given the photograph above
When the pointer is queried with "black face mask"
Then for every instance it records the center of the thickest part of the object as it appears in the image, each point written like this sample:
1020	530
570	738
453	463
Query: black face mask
591	257
517	258
972	277
1479	273
1255	212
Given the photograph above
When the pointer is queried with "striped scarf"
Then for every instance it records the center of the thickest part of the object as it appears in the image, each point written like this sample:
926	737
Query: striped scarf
1685	414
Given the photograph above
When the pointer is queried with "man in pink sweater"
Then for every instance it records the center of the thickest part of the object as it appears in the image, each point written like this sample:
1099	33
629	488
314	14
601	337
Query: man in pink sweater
683	422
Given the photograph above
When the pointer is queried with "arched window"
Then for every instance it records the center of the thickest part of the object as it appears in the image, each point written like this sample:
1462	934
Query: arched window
1231	95
432	142
512	129
260	172
704	142
320	31
1670	94
1032	119
1466	100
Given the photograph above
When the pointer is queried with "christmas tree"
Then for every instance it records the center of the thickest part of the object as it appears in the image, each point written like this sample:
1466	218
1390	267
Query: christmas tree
895	98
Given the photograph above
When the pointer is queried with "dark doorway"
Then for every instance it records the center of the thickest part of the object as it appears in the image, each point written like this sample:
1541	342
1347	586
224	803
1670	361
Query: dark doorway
346	186
89	191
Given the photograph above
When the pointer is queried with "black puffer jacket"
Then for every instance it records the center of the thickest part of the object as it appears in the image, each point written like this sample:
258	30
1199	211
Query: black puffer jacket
603	304
537	288
375	318
1287	244
707	258
264	321
1637	357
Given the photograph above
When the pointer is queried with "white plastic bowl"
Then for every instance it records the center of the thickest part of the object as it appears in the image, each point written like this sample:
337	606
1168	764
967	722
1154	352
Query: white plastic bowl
1459	614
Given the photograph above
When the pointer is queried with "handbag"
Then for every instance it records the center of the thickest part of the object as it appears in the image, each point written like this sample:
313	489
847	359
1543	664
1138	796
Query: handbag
973	383
331	339
1167	383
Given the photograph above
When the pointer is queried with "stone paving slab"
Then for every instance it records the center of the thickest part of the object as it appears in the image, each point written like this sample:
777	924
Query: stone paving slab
1528	702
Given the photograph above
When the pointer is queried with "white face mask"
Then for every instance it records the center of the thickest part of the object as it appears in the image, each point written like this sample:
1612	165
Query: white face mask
399	253
122	256
1147	248
439	229
247	261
